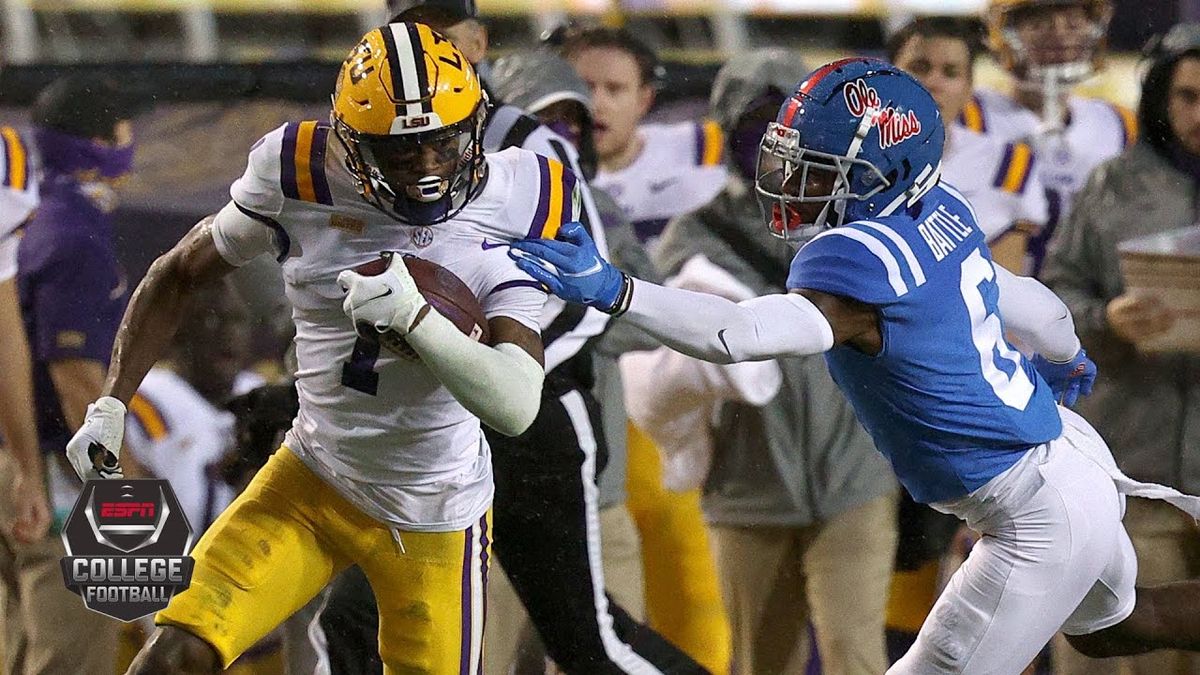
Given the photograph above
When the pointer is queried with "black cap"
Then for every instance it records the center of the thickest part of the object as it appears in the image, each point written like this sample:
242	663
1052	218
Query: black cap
416	10
88	106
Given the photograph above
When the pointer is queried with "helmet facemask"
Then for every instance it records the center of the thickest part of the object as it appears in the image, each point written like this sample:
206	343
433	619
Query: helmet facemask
803	192
419	178
1045	60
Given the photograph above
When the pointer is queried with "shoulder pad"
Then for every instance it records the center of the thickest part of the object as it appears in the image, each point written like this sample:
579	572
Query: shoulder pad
546	195
858	261
287	163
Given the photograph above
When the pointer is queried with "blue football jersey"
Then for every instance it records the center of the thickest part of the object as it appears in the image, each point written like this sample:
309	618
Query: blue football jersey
948	401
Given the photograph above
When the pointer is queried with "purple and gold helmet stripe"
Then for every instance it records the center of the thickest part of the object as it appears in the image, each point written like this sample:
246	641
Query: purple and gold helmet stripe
393	59
302	163
16	167
421	67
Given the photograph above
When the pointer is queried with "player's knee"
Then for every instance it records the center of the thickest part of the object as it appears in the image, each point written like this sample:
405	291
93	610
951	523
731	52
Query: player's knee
174	650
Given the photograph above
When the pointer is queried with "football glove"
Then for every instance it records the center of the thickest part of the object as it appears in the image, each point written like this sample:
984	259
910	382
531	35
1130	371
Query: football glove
95	450
573	269
1067	380
388	301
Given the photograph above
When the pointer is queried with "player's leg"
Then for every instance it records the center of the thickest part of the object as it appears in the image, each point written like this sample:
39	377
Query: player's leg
762	580
431	591
1164	617
548	539
266	556
1050	528
683	596
848	563
349	623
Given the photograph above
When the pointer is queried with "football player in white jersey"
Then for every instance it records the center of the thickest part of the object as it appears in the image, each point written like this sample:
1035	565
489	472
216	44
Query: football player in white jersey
385	466
18	199
997	175
1049	46
653	171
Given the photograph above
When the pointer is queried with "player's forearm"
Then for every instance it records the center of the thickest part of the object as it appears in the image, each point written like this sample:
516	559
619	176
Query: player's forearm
714	329
1037	317
16	394
500	385
157	308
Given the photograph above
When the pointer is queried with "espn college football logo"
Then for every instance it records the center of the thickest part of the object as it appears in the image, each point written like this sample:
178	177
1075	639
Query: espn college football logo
127	543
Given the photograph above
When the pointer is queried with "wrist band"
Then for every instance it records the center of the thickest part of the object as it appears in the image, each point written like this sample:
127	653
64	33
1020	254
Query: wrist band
624	297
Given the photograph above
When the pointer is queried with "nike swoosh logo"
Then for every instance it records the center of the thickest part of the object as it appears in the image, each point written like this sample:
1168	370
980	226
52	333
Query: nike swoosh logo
381	295
659	186
489	245
591	270
721	337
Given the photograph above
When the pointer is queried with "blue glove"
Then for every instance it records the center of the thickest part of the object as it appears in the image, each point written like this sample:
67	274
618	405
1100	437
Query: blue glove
573	269
1067	380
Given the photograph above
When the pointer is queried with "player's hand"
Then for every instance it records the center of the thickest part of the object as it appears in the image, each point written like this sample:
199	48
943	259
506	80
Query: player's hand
572	268
32	518
95	449
388	301
1067	380
1137	316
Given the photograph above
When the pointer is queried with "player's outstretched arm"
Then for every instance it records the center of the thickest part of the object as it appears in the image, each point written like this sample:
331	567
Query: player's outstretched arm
158	305
500	384
1042	322
146	331
704	326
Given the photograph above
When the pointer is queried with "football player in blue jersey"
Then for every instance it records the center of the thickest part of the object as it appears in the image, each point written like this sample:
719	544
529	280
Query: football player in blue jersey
895	285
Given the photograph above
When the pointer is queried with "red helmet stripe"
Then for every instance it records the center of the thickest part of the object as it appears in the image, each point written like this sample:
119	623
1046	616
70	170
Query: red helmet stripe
807	85
793	107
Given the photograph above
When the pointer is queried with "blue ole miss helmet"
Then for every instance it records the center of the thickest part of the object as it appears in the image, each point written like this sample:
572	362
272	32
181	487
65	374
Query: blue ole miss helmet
858	139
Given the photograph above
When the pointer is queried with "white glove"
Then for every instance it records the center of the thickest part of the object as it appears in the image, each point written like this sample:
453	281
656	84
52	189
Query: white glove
388	301
95	449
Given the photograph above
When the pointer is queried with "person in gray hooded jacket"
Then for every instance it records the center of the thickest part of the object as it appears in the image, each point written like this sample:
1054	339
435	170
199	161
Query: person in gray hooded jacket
801	506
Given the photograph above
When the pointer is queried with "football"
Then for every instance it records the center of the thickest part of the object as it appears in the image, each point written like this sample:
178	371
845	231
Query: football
444	291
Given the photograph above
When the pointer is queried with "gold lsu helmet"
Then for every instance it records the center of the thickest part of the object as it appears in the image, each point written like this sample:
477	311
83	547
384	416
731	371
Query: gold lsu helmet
1073	64
409	110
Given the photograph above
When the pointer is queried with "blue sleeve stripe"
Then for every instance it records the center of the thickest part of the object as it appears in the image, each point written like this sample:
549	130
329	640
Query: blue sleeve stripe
914	265
877	249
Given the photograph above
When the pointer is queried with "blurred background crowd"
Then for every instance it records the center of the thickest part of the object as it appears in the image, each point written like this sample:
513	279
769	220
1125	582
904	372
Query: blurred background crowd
746	515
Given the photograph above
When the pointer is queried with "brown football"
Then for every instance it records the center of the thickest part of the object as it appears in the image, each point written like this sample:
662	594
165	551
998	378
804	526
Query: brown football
442	289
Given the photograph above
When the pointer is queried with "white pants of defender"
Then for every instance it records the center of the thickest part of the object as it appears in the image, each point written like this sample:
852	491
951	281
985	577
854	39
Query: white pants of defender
1054	555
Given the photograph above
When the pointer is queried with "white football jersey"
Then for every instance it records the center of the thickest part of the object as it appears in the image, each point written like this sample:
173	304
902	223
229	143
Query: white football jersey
999	178
1096	131
679	170
178	435
382	429
18	195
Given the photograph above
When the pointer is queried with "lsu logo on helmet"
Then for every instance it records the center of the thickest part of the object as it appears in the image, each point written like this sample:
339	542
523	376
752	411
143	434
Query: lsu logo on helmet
409	110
